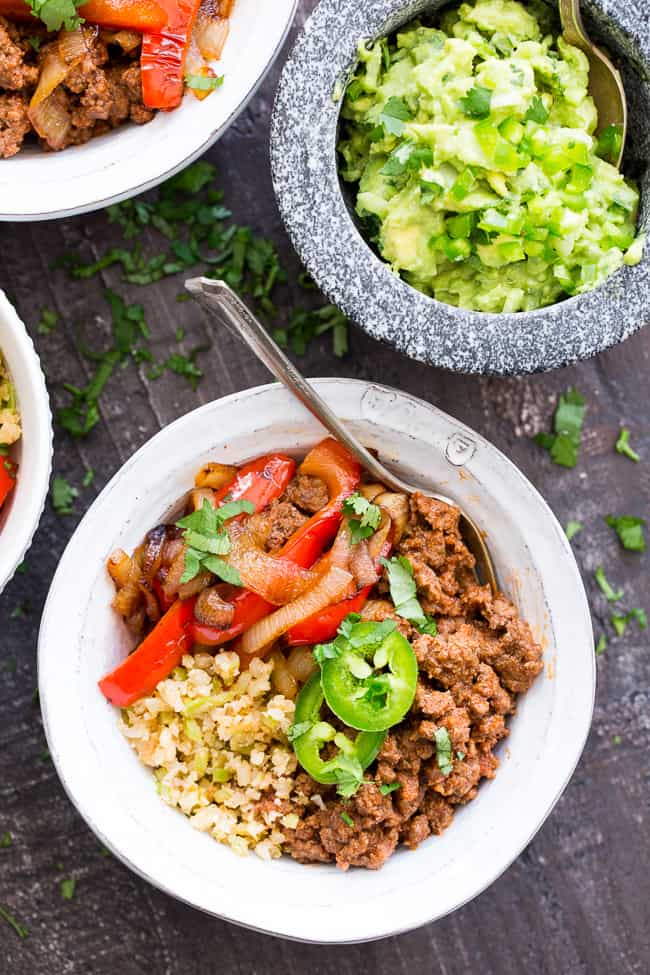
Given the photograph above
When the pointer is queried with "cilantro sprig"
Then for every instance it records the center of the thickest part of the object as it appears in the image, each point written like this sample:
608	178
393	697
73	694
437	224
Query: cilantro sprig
207	540
564	444
56	14
629	530
477	102
403	592
620	621
611	595
624	447
363	517
444	751
394	114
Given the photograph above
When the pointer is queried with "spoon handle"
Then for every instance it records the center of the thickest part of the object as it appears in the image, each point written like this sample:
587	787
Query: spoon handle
225	306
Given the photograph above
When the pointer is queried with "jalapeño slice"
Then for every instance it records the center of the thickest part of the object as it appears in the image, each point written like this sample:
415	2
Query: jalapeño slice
310	734
369	676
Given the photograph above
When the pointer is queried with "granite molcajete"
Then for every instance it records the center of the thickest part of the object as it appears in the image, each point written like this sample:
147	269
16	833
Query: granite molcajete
319	216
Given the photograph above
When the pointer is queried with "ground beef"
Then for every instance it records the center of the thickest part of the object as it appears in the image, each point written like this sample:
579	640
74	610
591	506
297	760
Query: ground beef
482	656
307	493
277	523
99	93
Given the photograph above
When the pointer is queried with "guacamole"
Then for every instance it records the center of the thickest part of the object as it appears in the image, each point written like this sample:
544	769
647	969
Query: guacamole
477	172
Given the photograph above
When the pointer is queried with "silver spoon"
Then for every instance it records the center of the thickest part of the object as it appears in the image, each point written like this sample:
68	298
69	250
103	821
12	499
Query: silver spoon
222	304
605	82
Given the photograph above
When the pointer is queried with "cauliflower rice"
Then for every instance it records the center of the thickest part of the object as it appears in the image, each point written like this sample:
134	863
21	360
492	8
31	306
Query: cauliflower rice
216	741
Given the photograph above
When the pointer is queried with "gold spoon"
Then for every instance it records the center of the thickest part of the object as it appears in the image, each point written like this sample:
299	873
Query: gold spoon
605	82
222	304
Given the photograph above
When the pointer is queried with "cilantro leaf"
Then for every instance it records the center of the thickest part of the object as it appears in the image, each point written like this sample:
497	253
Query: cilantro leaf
620	622
537	111
369	520
347	819
47	321
394	114
325	651
629	530
564	444
63	495
68	888
206	538
611	595
403	592
199	82
572	529
56	14
387	787
295	731
9	919
444	751
623	446
477	102
349	775
601	646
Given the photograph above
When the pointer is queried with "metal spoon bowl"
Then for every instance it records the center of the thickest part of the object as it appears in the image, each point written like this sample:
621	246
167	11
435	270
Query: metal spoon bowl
605	82
222	304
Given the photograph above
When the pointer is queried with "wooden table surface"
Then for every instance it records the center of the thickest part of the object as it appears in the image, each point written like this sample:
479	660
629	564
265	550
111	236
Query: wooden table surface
577	900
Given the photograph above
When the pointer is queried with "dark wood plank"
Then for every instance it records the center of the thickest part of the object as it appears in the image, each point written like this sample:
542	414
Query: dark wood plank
577	900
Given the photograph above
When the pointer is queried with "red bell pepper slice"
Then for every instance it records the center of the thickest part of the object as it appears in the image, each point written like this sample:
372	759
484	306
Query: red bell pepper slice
8	472
153	660
138	15
341	474
163	55
261	481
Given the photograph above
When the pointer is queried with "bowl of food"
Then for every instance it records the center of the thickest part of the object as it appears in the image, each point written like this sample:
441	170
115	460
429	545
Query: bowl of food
278	691
105	102
25	441
441	172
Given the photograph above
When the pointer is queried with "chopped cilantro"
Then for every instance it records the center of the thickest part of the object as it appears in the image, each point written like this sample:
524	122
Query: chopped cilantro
572	529
477	101
623	446
56	14
63	495
394	114
47	321
5	840
199	82
601	646
387	787
629	530
206	539
35	41
349	776
537	111
89	477
403	592
347	819
18	612
307	324
611	595
363	517
297	730
616	740
620	622
564	443
12	922
181	365
68	888
443	751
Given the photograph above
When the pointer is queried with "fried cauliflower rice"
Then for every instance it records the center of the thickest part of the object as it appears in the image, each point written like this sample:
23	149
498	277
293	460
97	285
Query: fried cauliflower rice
216	741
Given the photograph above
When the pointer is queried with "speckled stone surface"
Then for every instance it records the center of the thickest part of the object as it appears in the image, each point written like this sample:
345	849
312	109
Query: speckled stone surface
303	156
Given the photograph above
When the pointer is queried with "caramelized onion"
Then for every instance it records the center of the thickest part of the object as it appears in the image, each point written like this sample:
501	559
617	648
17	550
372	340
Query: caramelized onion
128	40
210	34
275	579
370	491
73	45
198	496
119	567
214	475
48	110
362	565
154	545
212	610
282	680
51	120
301	663
327	590
397	506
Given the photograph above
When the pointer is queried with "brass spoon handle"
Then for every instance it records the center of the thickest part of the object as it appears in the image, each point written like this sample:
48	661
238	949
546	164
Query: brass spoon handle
221	303
605	82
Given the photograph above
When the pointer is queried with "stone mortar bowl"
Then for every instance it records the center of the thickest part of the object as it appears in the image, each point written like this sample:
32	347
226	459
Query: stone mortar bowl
319	215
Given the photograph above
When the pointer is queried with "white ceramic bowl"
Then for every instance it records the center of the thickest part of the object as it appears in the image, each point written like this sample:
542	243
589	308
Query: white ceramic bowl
20	515
81	638
36	185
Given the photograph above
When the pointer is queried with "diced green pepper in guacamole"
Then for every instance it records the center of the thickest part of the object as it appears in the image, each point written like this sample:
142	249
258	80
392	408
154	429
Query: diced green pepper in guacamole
9	417
478	175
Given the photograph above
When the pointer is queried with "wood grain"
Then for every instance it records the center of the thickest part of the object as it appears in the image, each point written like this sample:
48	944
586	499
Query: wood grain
577	900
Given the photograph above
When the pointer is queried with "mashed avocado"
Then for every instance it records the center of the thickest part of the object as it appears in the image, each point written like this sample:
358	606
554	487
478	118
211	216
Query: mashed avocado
478	174
9	418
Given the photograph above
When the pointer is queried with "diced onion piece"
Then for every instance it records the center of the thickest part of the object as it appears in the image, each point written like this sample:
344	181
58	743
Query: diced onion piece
51	120
210	34
213	475
301	663
282	680
327	590
53	72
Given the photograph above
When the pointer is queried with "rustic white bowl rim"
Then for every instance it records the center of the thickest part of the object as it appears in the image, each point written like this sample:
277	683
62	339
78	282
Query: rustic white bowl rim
36	185
80	639
22	512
